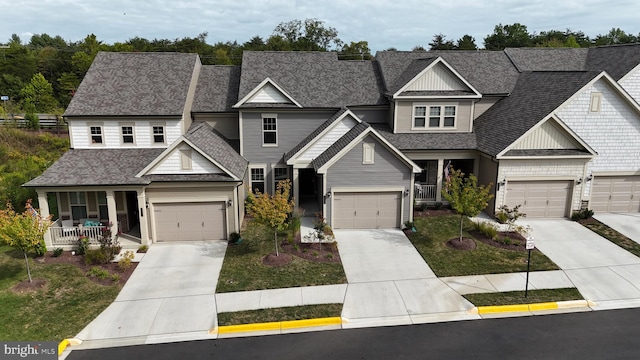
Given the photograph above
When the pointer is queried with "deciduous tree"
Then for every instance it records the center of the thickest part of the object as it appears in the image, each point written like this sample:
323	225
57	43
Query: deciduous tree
272	210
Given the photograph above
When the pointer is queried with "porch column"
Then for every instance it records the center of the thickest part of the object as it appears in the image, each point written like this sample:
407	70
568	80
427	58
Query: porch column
296	187
143	217
44	212
113	214
439	180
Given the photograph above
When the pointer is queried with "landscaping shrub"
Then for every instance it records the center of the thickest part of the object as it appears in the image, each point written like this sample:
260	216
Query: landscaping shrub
98	272
57	252
125	260
82	245
96	257
506	215
581	214
143	248
486	228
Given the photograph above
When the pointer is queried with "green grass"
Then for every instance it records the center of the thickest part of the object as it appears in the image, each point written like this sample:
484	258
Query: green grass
68	303
435	231
613	236
243	270
280	314
517	297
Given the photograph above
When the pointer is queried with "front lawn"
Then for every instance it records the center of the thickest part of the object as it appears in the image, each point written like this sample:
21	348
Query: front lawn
64	306
280	314
517	297
243	269
433	234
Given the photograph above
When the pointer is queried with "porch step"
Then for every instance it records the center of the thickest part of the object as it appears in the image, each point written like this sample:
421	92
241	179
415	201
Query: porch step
128	241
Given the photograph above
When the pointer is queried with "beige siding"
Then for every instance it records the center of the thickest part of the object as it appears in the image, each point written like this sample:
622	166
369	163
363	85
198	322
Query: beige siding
437	78
186	115
483	105
405	115
549	135
488	171
226	124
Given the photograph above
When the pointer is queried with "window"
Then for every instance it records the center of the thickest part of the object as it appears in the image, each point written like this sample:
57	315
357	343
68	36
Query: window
596	100
440	116
434	116
78	205
158	134
185	159
269	130
420	116
279	173
102	205
127	134
368	153
257	180
96	134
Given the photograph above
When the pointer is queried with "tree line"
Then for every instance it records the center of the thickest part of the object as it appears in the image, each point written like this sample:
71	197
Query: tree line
42	75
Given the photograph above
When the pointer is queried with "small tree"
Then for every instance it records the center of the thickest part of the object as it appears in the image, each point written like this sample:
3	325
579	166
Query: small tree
24	231
465	195
272	210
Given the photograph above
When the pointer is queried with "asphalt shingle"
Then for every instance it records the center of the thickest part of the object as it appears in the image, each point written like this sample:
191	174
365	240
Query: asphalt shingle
427	141
313	134
217	89
217	147
340	144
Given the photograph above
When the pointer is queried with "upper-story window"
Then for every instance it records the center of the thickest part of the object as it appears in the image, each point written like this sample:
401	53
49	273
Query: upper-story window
158	134
257	180
127	134
96	134
269	130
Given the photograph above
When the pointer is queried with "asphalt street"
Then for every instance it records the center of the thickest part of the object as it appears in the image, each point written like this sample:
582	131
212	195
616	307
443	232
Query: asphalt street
586	335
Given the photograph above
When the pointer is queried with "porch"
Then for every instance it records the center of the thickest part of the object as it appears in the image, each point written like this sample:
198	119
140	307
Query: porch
429	183
63	234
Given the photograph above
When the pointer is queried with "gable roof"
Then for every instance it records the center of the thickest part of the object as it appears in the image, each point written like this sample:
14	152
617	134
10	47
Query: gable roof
313	79
268	82
404	89
217	89
535	96
616	60
121	84
479	68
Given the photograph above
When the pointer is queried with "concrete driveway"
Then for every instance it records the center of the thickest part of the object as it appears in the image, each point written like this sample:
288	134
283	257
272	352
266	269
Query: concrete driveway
602	271
628	224
169	297
391	284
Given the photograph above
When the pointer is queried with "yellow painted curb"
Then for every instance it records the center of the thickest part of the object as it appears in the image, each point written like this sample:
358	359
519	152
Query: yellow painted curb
531	307
62	346
543	306
502	308
278	325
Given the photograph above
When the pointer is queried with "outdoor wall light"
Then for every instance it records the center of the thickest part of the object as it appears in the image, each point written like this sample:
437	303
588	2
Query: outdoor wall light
229	203
406	192
589	178
328	194
579	181
501	184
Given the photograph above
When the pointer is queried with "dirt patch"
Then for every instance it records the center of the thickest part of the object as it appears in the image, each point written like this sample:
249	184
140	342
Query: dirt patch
314	252
504	240
279	260
465	244
78	261
433	212
26	286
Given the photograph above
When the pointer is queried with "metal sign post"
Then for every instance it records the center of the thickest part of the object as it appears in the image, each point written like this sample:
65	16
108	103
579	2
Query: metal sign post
530	245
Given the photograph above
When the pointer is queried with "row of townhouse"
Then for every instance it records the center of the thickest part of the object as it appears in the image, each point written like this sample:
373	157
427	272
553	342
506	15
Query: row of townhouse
166	148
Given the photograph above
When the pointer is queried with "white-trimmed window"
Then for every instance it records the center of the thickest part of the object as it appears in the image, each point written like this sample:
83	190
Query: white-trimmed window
419	116
596	102
185	159
257	180
269	130
368	152
126	132
442	116
96	134
279	173
158	134
78	202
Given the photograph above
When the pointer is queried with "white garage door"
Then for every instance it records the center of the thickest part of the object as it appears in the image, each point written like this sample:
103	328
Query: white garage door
615	194
190	221
540	199
375	210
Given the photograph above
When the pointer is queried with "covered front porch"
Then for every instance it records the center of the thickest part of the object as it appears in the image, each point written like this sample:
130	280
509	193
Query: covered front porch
89	212
429	183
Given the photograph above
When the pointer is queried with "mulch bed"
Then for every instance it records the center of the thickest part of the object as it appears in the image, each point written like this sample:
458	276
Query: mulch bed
277	260
78	261
465	244
515	240
315	252
29	287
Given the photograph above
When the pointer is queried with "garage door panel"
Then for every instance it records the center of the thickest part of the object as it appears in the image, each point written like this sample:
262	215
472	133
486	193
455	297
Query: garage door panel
367	210
190	221
539	198
615	194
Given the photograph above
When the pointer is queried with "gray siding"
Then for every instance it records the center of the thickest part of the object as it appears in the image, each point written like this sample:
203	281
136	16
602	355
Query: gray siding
483	105
226	124
405	115
488	172
387	170
292	127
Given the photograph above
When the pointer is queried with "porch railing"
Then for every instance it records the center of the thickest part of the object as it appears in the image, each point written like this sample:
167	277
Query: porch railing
69	235
425	192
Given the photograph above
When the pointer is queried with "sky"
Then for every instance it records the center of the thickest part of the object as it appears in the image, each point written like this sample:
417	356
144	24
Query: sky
402	24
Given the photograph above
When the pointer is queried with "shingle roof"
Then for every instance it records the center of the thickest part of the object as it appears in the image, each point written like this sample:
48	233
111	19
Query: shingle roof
134	84
95	167
217	89
616	60
428	141
535	96
313	134
217	147
340	144
548	59
490	72
314	79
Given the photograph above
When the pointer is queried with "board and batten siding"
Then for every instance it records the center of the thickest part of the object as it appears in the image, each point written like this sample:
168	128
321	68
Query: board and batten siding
613	132
541	169
292	128
437	78
386	171
111	132
268	95
405	115
225	124
548	135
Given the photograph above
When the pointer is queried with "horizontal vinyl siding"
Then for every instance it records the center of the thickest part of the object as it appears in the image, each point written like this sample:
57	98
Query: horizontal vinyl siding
292	128
79	130
225	124
405	115
387	170
172	164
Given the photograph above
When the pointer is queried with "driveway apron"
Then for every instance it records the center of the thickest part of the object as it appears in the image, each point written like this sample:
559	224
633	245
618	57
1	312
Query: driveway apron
170	296
391	284
628	224
602	271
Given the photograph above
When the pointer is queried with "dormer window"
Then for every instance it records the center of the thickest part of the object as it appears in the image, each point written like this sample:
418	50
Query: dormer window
434	116
127	134
420	116
96	134
158	134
